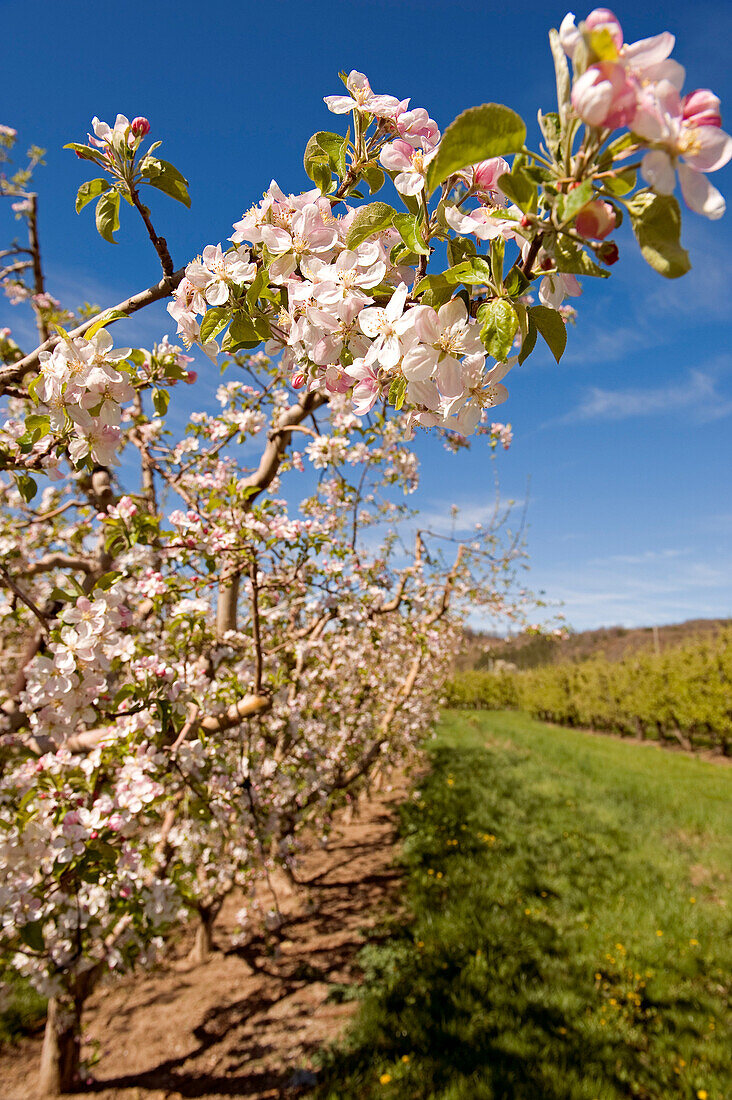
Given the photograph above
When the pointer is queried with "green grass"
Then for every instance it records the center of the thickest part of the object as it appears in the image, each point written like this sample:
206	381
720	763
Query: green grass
554	951
22	1010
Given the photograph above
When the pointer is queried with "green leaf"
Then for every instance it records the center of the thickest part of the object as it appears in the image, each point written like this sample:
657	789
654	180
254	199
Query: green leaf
106	581
370	219
104	320
656	221
374	177
241	334
32	935
475	271
520	189
551	326
498	325
551	128
90	190
529	341
34	422
623	182
107	216
161	398
573	260
576	200
125	692
60	596
27	487
325	150
84	152
215	321
459	249
397	392
163	175
409	231
491	130
434	290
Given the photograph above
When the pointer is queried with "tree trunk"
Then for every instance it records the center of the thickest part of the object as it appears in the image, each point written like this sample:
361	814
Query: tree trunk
60	1055
203	943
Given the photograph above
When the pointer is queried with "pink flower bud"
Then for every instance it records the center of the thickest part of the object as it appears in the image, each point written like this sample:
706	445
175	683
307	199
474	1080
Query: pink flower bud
595	220
702	108
487	173
140	126
191	377
602	19
297	380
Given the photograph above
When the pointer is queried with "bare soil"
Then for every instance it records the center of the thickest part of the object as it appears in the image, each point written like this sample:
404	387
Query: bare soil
247	1022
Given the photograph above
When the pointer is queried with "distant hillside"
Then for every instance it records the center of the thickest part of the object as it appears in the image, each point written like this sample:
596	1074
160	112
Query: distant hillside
613	643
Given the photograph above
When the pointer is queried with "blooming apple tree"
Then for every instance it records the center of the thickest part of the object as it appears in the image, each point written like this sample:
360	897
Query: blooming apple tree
197	667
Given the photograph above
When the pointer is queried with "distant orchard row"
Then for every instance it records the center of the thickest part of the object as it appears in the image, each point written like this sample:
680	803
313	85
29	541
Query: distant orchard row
681	696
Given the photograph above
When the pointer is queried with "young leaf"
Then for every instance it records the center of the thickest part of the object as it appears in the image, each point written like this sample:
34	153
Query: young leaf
167	178
374	177
573	260
107	216
242	334
656	221
490	130
498	326
520	189
214	322
161	399
90	190
369	219
475	271
575	200
409	232
27	487
109	316
84	152
551	326
529	341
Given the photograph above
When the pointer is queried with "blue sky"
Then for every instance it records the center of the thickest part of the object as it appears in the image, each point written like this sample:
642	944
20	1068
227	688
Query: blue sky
626	444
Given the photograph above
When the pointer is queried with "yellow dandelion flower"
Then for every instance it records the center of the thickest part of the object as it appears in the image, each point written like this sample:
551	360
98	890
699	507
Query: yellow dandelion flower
405	1058
692	901
694	943
702	1094
385	1079
659	932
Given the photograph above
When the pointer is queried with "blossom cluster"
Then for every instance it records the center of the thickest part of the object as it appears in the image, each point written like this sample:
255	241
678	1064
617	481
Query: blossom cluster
638	85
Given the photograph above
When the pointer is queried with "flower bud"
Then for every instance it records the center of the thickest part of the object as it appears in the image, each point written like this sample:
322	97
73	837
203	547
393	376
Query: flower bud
602	19
140	126
609	253
595	220
487	173
702	108
297	380
191	377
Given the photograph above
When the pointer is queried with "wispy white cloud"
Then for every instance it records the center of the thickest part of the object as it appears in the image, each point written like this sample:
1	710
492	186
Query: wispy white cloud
696	394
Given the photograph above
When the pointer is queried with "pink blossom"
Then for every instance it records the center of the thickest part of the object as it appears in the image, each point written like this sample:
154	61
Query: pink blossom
687	134
409	163
361	98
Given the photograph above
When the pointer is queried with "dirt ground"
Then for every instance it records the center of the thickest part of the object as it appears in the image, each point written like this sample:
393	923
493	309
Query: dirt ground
247	1022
